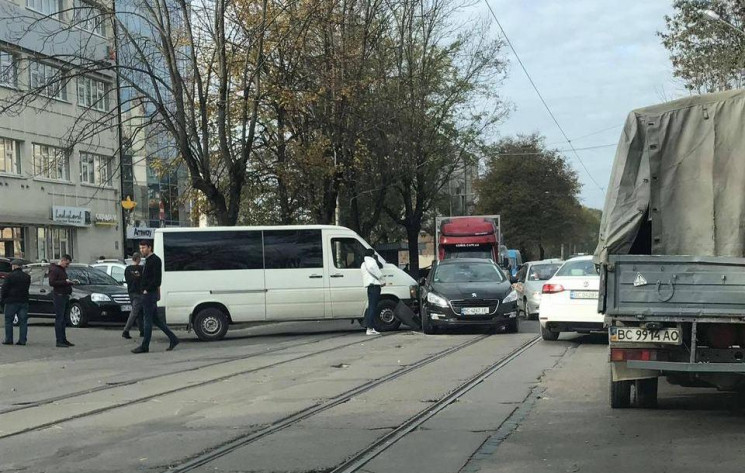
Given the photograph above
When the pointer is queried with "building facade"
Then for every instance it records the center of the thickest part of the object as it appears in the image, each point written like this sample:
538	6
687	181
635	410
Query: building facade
59	168
153	176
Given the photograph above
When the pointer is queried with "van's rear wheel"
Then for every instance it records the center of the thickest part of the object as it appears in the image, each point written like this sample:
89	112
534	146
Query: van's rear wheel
385	316
210	324
549	335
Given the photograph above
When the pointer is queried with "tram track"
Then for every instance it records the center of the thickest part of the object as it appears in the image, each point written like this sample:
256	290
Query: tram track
281	424
179	389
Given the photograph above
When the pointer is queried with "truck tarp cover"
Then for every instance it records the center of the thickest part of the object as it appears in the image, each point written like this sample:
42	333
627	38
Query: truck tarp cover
682	163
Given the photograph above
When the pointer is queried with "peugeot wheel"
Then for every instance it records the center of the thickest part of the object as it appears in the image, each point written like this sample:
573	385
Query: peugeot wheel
76	316
211	324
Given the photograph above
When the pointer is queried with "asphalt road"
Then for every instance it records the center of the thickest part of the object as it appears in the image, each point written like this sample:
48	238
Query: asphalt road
322	396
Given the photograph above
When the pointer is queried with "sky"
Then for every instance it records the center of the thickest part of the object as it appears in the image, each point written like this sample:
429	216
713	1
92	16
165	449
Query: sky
593	61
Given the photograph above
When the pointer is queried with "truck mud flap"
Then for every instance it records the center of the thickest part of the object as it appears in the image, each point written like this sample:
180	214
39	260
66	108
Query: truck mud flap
407	316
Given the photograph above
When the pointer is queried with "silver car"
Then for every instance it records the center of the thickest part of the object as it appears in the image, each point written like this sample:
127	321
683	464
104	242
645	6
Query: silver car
530	280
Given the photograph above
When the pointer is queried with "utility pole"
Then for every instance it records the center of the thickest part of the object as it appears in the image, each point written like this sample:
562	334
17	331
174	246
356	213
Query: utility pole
120	127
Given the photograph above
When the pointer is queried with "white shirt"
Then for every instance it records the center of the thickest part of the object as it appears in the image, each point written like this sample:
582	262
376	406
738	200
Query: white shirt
371	273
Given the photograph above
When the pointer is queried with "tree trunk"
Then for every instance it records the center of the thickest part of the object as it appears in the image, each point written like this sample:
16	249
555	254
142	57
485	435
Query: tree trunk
541	251
412	233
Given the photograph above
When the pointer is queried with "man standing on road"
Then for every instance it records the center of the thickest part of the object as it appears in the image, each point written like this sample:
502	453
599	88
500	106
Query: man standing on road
62	288
133	275
14	296
152	274
372	279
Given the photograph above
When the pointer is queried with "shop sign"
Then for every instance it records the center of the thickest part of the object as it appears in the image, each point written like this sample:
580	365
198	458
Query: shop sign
140	233
106	219
76	216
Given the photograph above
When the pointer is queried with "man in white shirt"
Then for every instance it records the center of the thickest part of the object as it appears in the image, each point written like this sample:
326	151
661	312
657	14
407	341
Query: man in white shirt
372	279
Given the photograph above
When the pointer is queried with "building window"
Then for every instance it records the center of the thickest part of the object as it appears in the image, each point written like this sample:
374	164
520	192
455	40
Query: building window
8	69
51	163
60	242
41	244
10	156
95	169
89	18
48	81
47	7
92	94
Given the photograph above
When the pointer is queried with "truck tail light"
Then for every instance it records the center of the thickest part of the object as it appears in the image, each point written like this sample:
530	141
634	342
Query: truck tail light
637	354
552	288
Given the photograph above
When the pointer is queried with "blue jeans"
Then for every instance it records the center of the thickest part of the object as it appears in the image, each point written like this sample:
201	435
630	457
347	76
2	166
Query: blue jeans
21	310
373	296
60	315
150	309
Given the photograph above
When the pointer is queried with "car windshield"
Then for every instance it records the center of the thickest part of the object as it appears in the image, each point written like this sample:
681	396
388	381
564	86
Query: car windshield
91	277
542	272
468	272
578	268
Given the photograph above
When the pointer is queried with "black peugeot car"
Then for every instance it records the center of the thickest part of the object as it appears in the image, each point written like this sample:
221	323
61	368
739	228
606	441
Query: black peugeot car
96	297
468	292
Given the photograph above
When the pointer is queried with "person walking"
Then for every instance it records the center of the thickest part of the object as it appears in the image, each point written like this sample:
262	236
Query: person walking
61	288
14	297
133	275
152	275
372	279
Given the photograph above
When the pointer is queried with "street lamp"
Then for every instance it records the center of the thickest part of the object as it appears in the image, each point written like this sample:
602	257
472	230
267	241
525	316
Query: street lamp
711	15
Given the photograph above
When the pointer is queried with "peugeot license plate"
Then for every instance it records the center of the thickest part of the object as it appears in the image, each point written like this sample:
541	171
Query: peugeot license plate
583	295
669	336
474	311
126	308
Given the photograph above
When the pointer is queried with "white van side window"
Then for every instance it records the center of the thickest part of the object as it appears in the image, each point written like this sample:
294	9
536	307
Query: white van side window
212	251
348	253
293	249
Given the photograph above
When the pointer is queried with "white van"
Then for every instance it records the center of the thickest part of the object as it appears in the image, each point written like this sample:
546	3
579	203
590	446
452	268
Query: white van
213	277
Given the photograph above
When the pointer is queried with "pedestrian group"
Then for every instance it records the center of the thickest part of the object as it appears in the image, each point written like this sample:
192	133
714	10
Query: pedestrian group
143	285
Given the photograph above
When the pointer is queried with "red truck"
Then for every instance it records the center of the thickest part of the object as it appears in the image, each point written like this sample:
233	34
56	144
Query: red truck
469	237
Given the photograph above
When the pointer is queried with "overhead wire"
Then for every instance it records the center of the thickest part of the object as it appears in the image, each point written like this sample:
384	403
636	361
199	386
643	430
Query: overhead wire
540	96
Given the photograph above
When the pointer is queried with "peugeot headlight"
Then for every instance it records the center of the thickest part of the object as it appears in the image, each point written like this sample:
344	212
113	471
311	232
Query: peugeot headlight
434	299
95	297
511	297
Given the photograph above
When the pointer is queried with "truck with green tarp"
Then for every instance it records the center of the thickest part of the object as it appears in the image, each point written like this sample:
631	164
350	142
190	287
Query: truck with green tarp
671	249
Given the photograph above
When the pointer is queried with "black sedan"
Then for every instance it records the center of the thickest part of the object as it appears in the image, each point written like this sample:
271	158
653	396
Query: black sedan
96	297
468	292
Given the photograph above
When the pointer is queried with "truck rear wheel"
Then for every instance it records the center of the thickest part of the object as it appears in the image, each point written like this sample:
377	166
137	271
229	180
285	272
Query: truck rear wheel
620	394
645	393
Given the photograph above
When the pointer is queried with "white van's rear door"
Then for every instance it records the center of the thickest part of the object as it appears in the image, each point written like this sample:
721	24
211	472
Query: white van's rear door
296	281
344	256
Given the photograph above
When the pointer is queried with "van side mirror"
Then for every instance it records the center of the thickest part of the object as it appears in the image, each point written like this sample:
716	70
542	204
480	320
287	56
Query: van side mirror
422	281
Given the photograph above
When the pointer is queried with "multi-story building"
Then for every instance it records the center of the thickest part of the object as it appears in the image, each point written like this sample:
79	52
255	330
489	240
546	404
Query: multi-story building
59	167
152	174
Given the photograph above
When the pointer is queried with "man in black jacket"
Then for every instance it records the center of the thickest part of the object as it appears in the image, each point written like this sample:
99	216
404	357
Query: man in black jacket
14	297
62	288
152	274
132	276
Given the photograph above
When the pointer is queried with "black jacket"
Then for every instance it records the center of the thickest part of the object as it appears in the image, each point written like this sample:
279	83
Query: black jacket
15	288
58	280
152	274
133	276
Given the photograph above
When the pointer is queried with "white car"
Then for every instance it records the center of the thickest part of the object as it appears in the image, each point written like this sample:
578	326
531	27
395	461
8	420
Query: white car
115	269
569	300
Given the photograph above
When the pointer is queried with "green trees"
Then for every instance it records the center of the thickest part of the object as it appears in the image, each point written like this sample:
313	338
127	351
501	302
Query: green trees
707	55
535	191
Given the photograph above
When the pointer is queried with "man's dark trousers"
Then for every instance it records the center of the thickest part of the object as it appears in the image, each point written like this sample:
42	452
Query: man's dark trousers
21	310
60	311
150	309
373	296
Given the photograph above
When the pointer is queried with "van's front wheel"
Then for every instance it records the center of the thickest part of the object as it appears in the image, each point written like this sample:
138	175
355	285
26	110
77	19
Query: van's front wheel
385	316
210	324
